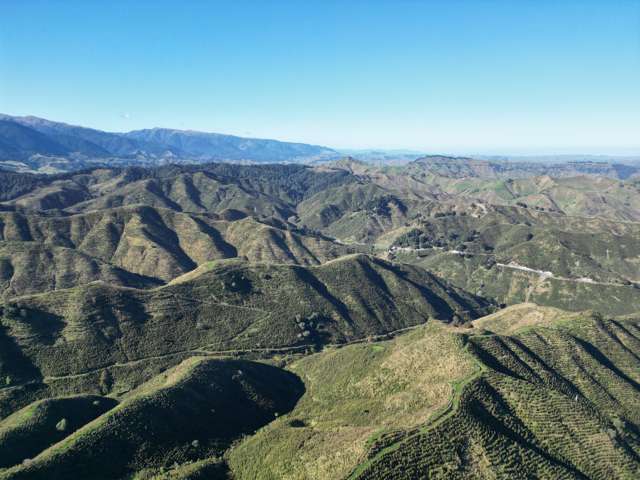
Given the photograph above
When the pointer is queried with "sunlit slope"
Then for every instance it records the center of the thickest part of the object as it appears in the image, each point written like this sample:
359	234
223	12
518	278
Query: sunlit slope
261	190
139	246
551	402
354	394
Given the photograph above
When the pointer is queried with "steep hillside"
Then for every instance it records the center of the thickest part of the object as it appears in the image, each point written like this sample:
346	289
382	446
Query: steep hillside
524	251
555	398
418	325
550	402
258	190
34	428
192	411
355	212
140	246
76	339
31	267
353	395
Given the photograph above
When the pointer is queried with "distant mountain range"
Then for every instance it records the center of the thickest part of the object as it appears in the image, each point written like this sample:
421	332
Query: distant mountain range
36	144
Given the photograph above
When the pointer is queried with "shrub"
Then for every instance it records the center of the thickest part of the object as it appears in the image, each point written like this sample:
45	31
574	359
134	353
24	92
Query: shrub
297	423
61	426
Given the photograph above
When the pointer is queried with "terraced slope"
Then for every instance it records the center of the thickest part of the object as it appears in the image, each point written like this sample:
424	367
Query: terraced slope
550	402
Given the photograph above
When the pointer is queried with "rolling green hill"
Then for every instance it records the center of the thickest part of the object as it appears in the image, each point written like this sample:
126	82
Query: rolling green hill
354	394
191	411
108	339
551	396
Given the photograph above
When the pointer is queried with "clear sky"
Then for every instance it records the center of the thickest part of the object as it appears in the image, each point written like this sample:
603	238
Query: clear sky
451	76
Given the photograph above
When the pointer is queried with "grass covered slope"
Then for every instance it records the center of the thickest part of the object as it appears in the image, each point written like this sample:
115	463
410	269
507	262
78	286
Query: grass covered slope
353	394
30	267
32	429
551	402
523	315
190	412
225	307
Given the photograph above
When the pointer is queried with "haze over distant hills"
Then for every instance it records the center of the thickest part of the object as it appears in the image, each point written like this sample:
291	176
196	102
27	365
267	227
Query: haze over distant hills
32	143
36	145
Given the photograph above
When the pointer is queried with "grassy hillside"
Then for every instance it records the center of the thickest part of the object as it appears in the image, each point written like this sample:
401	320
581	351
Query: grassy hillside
32	429
550	402
135	304
31	267
354	394
521	316
230	306
140	247
191	411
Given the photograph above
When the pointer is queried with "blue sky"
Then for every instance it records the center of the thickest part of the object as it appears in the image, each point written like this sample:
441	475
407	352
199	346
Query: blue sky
449	76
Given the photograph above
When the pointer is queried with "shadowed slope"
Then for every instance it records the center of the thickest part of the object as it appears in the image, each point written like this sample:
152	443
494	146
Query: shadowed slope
30	430
192	411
